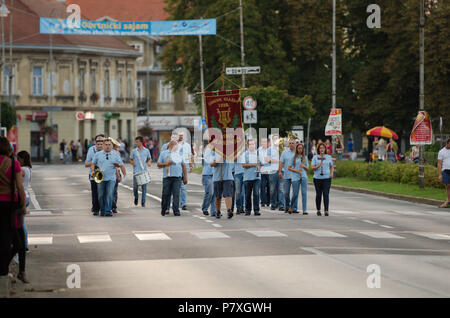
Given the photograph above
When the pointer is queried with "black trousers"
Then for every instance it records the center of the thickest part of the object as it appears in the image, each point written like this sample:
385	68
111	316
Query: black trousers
94	192
18	241
322	189
6	237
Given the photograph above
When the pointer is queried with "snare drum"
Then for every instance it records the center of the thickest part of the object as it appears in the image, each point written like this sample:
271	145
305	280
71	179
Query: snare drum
142	178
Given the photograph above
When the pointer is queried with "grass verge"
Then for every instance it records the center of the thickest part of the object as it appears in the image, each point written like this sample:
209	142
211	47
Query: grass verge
392	187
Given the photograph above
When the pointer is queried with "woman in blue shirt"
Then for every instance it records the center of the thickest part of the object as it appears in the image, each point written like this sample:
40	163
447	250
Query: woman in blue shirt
299	177
322	164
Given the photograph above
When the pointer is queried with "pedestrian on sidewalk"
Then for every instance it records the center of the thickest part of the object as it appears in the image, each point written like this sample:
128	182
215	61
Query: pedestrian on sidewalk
322	164
251	162
283	173
207	181
444	170
88	163
299	177
145	160
9	202
173	171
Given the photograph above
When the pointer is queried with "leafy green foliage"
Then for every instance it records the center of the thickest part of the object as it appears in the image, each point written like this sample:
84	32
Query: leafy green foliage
9	116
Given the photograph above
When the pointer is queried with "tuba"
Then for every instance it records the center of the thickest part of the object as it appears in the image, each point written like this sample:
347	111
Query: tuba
283	142
98	175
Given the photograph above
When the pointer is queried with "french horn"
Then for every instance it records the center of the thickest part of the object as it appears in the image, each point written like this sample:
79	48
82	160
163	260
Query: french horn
98	175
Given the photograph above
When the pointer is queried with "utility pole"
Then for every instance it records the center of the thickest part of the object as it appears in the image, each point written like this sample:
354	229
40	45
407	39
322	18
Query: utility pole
333	80
422	92
11	69
202	79
242	41
147	84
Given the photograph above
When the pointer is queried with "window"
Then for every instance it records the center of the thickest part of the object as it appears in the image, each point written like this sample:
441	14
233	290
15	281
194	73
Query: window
64	80
93	84
106	89
139	46
81	74
119	84
37	80
165	92
6	81
129	94
139	89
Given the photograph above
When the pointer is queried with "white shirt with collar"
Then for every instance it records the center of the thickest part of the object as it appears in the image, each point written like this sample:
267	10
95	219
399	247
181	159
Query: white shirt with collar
444	155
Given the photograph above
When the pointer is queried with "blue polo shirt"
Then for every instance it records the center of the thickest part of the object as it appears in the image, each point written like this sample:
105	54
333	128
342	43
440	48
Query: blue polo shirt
207	169
226	168
286	158
89	157
327	163
145	156
175	170
296	176
105	162
273	153
238	169
250	158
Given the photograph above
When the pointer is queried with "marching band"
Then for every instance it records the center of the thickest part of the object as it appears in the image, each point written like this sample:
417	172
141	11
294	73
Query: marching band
258	177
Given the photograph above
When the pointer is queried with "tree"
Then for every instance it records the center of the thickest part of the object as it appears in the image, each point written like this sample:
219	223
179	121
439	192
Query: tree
9	116
277	109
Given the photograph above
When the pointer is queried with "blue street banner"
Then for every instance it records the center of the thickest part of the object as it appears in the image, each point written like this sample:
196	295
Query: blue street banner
128	28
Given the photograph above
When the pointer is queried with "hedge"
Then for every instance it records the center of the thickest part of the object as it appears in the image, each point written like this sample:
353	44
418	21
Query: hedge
387	171
430	157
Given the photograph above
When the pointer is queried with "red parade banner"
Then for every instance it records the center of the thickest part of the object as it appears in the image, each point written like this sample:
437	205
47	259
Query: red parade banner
224	120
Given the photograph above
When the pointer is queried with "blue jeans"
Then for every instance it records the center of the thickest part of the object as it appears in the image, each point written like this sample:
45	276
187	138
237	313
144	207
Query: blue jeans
274	182
264	185
183	194
252	186
171	187
304	185
136	189
208	197
115	197
240	191
106	196
281	195
288	203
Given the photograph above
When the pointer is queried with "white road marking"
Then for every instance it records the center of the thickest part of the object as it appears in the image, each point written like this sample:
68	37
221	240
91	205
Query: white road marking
387	226
210	235
323	233
216	225
94	238
40	240
152	236
376	234
369	221
434	236
33	199
39	213
202	218
342	212
209	221
267	233
408	212
55	179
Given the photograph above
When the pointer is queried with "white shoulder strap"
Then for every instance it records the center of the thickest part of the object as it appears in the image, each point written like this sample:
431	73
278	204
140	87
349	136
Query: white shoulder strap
140	160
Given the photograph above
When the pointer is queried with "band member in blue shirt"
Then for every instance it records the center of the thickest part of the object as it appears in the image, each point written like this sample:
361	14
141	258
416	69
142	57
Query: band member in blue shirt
207	181
283	172
322	164
239	185
173	171
299	177
273	157
146	160
252	178
108	161
223	182
88	163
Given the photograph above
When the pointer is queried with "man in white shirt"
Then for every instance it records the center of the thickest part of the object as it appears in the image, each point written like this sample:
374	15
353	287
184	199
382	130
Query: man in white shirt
444	170
185	151
265	173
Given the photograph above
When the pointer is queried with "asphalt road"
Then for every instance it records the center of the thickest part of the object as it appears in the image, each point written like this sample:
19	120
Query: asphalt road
139	253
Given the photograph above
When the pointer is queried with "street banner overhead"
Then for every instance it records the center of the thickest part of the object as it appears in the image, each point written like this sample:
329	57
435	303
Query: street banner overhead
334	124
223	110
128	28
422	131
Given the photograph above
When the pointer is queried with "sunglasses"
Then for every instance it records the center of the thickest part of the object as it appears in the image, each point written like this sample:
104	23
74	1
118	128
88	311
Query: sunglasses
107	156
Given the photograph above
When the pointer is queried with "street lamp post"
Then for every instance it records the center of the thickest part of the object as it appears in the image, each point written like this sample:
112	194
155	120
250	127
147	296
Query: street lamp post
422	92
3	14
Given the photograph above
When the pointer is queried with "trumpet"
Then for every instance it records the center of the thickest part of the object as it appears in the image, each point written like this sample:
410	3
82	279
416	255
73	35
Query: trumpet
98	175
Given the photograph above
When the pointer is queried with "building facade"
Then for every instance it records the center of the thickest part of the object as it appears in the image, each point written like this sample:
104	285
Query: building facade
67	87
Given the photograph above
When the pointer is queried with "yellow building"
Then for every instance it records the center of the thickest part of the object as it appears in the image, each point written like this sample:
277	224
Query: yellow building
93	82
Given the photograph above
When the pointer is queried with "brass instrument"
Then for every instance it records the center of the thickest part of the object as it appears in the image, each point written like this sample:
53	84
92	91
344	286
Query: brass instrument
284	142
98	175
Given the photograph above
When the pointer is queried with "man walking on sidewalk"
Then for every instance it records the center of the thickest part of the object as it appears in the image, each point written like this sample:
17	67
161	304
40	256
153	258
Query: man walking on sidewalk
444	170
139	164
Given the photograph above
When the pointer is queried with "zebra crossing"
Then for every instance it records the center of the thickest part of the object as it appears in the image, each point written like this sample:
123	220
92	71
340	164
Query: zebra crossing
87	238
